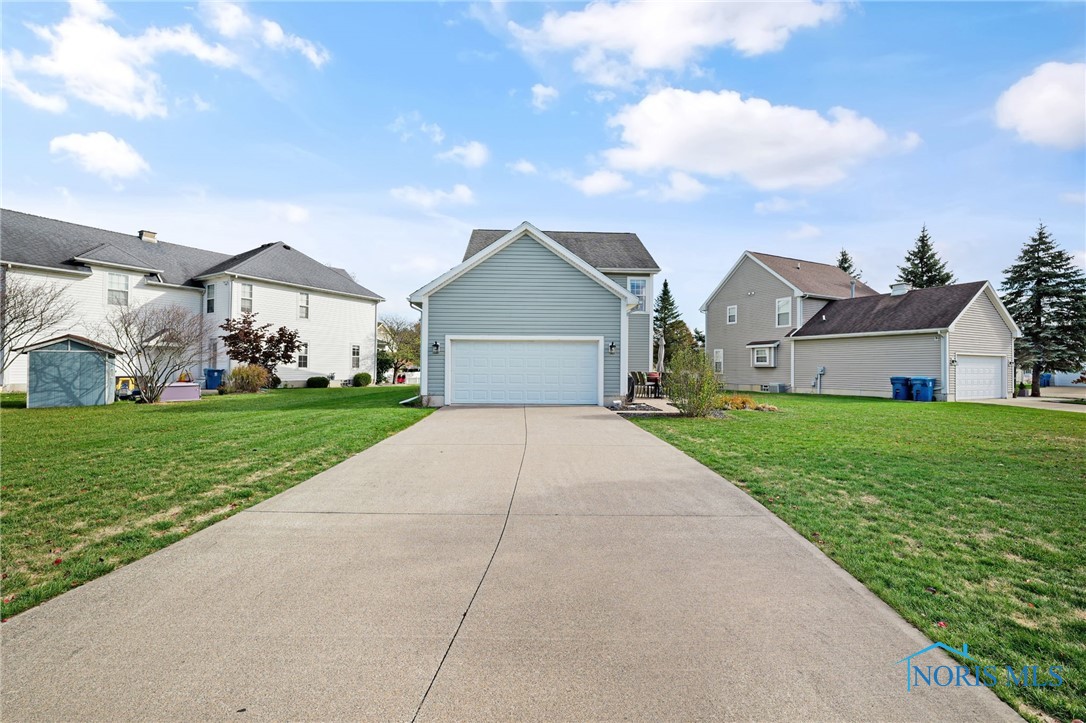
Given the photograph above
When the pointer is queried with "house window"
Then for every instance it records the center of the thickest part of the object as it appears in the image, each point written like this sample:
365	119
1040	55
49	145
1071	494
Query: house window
356	356
212	353
303	356
303	305
718	361
784	312
118	289
763	356
637	287
246	298
211	298
733	314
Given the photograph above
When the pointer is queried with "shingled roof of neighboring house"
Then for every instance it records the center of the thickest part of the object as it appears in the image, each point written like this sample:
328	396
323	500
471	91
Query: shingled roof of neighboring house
934	308
45	242
814	278
605	251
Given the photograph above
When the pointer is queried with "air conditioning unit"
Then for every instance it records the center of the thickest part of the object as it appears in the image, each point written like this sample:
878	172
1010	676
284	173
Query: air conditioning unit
775	388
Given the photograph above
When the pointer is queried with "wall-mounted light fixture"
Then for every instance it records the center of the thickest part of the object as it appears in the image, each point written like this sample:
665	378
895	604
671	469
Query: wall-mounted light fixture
435	348
954	361
611	349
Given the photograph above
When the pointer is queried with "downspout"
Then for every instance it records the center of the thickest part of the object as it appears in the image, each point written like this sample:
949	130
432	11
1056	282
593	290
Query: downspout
944	353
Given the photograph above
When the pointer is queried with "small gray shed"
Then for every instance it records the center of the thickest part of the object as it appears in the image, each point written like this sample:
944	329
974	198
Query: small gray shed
70	371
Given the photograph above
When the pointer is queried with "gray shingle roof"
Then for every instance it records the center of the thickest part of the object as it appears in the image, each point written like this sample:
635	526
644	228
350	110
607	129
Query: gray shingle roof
600	250
934	308
38	241
814	278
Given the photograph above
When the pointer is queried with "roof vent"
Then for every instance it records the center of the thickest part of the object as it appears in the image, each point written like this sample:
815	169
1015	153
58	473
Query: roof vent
823	317
148	236
798	265
286	247
900	289
852	289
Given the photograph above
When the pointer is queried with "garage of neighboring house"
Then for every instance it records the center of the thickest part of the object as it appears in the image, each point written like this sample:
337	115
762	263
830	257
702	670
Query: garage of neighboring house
70	371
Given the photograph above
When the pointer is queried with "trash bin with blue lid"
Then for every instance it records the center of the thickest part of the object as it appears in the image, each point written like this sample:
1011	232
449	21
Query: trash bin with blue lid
1046	379
901	387
213	378
923	388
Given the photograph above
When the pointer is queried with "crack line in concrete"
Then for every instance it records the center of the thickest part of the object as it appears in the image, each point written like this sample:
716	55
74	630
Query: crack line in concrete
508	514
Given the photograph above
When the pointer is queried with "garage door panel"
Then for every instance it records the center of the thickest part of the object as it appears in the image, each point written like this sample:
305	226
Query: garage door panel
980	377
528	372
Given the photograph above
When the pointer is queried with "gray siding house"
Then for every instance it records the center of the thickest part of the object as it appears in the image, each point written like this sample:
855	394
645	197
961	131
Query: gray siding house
534	317
961	334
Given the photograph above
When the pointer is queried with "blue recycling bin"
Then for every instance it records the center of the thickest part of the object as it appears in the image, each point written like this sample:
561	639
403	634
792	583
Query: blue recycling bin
923	388
213	378
901	387
1046	379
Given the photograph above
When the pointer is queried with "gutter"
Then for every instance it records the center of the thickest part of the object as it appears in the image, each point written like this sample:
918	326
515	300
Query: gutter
287	283
51	269
861	334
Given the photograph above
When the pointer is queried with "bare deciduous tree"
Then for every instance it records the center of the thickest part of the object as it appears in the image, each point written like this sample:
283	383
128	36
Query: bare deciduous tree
28	311
161	341
402	342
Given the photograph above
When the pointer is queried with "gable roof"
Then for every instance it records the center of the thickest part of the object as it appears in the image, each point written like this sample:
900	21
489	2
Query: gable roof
97	346
603	251
920	309
524	229
825	281
51	244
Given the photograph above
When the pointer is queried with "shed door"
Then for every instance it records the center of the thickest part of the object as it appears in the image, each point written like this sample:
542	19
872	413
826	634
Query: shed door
524	372
66	379
980	377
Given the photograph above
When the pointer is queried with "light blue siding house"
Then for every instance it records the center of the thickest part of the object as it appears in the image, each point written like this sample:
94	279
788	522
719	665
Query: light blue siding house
537	317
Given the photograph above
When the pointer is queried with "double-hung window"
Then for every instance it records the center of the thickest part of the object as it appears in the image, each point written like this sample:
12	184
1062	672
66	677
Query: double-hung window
733	314
763	355
246	298
303	305
211	298
718	361
303	355
638	287
784	312
356	356
118	290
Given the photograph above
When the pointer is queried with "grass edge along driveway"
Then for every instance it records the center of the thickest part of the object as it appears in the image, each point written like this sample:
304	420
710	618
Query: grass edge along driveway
87	490
968	519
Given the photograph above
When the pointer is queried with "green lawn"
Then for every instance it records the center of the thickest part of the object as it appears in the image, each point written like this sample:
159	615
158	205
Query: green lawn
967	514
86	490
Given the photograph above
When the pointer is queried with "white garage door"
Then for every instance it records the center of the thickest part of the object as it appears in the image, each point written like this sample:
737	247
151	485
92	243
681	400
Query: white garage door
524	372
980	377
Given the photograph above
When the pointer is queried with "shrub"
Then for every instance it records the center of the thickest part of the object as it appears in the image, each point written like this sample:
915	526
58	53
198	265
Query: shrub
224	389
249	378
317	382
736	401
361	379
274	382
690	383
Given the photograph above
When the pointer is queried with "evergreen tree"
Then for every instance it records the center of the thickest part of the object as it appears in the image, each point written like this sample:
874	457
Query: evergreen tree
668	322
1046	294
923	268
846	264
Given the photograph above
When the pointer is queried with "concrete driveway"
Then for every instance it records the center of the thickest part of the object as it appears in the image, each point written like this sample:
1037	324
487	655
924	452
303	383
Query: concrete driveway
485	564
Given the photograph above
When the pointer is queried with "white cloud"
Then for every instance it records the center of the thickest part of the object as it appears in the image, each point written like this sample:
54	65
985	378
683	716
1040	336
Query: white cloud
523	166
101	154
275	37
543	96
600	183
618	43
682	187
19	89
433	131
472	154
199	103
1078	199
232	20
406	124
803	231
1048	106
291	212
778	205
227	19
602	96
723	135
431	198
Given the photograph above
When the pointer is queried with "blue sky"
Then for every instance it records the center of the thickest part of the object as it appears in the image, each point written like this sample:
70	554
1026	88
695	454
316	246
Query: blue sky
375	136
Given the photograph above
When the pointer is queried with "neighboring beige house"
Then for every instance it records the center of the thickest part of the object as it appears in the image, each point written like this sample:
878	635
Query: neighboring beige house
782	324
100	270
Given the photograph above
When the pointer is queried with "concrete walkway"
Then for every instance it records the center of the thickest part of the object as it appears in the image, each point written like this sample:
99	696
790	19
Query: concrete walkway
485	564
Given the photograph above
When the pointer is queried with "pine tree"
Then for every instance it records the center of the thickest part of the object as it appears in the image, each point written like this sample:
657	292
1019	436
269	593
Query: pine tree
923	267
1046	294
846	264
668	322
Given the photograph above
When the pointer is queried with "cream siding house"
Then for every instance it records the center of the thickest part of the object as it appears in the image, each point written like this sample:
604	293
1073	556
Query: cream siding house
99	269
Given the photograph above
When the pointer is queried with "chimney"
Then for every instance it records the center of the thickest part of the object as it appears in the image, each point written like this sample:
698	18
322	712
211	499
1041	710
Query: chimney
900	289
148	236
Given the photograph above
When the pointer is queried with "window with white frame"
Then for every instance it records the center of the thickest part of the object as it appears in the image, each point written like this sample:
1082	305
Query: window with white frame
763	356
784	312
356	356
733	314
638	287
303	305
118	290
212	352
718	361
211	298
303	355
246	298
